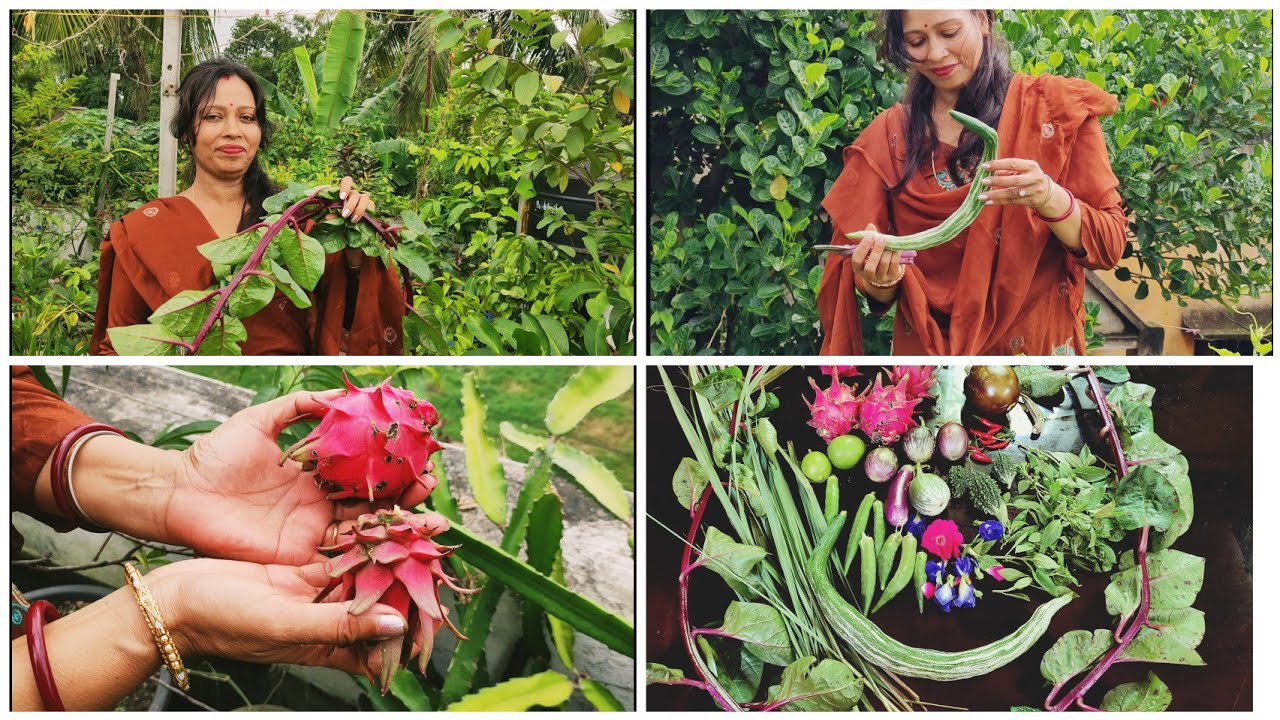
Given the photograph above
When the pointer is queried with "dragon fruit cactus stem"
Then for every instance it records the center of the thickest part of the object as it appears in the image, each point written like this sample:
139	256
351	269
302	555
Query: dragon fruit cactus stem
371	443
389	557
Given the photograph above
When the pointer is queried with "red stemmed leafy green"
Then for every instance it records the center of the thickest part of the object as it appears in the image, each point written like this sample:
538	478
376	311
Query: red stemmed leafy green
275	254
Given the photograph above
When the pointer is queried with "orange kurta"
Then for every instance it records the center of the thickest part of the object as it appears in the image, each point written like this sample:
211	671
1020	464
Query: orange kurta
1005	285
151	254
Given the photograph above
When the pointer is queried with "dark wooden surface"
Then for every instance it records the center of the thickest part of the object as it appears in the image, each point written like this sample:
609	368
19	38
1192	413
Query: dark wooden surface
1207	412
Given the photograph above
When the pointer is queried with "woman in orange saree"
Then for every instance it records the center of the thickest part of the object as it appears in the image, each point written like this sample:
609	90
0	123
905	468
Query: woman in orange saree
151	254
1013	282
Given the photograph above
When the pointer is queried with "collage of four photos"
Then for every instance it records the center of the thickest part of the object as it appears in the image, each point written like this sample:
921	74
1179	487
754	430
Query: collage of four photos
510	360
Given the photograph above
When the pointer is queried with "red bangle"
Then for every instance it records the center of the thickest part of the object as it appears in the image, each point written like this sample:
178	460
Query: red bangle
1070	209
40	654
60	475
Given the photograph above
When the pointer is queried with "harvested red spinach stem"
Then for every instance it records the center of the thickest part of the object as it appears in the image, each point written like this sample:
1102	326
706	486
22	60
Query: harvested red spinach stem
291	216
1139	620
709	681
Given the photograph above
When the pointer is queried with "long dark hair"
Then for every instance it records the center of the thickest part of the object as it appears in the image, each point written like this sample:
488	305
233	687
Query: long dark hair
982	97
194	95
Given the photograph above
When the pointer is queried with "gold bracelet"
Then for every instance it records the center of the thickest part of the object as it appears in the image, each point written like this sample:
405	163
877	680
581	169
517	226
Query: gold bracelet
151	614
902	271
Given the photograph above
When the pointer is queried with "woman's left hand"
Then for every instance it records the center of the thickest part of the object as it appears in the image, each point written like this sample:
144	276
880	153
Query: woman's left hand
1017	181
233	498
355	203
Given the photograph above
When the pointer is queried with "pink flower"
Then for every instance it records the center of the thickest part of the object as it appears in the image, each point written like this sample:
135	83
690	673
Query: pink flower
927	589
943	538
994	571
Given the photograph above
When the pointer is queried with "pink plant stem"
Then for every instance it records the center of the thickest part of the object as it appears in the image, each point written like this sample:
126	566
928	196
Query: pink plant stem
1076	696
255	259
710	682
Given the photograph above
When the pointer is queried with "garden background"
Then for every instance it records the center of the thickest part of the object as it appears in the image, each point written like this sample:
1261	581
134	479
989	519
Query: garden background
755	107
509	134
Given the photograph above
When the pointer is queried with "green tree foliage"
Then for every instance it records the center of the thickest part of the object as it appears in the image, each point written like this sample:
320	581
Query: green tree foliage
123	41
753	109
1191	144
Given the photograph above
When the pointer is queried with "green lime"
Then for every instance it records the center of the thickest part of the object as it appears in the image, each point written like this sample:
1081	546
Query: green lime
816	466
845	451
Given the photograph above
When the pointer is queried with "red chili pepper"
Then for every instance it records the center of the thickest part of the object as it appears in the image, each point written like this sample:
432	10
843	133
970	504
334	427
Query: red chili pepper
997	445
991	426
983	435
979	456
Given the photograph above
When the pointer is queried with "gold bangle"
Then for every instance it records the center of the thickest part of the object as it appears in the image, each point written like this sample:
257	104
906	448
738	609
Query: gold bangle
902	271
151	614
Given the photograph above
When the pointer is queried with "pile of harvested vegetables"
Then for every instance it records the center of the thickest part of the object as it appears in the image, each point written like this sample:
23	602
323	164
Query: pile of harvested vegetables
925	490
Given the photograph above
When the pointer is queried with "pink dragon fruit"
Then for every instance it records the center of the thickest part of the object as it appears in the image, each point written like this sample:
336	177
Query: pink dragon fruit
884	413
838	371
390	558
835	410
371	443
915	380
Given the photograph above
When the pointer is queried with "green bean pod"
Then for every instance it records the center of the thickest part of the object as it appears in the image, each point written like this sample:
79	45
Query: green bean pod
901	576
884	558
859	529
877	525
866	549
832	505
921	578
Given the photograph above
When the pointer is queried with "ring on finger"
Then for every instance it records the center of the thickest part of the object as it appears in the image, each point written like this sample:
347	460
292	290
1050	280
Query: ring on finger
1022	193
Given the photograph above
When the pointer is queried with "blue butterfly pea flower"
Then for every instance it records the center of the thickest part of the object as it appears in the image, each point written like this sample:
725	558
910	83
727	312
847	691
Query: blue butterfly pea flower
964	595
991	530
933	569
944	595
916	527
964	565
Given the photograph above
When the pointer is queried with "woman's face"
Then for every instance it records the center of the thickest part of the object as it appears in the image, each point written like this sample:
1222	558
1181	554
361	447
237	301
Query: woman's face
944	45
227	132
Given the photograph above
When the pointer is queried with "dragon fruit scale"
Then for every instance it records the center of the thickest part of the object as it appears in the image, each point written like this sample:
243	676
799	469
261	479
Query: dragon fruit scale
834	410
371	443
916	380
389	557
884	413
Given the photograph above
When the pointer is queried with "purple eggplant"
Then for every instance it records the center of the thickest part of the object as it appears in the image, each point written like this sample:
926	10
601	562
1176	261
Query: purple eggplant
897	510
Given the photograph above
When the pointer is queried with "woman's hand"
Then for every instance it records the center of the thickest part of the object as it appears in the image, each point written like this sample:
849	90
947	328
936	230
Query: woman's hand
881	269
264	614
355	204
1017	181
232	497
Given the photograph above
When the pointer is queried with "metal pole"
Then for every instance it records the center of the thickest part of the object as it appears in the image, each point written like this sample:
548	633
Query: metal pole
106	140
170	66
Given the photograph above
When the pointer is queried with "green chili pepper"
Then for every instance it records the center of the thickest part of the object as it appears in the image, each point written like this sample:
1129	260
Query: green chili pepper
833	499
